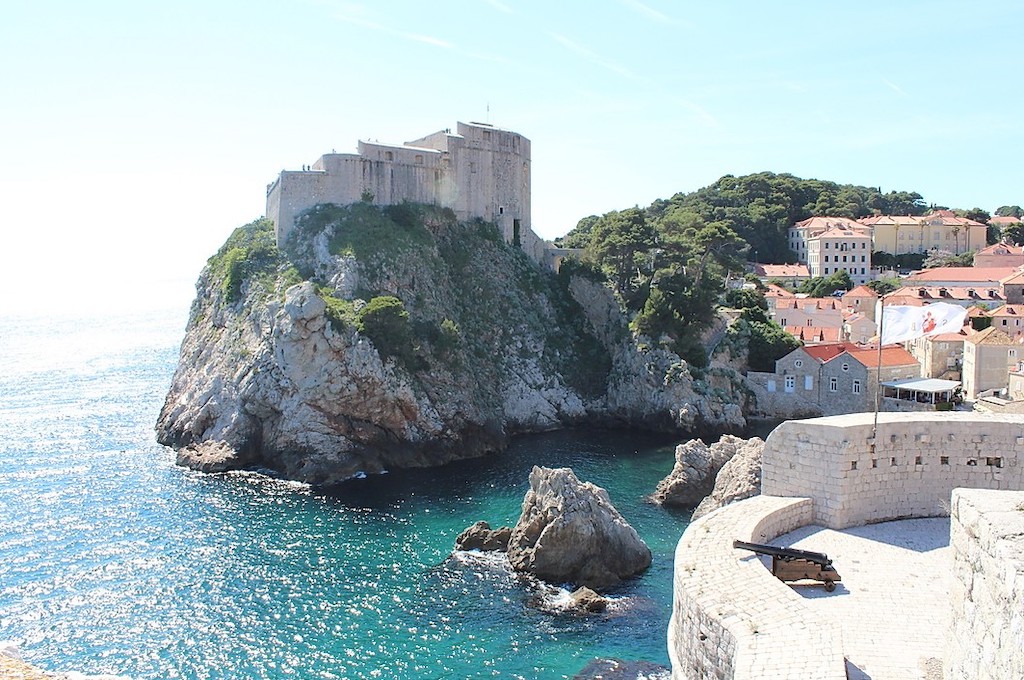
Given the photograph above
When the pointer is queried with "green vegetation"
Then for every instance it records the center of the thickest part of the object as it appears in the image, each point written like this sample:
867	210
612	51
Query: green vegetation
668	263
944	258
823	286
764	340
249	252
884	286
903	262
386	323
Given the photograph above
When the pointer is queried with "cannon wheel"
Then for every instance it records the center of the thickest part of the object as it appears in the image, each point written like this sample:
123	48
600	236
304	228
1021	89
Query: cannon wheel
830	586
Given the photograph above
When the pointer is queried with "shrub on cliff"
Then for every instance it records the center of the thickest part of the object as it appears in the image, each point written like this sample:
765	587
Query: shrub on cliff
386	323
250	251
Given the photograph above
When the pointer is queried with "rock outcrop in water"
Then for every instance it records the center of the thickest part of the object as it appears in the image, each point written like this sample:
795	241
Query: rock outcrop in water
14	667
480	536
693	475
569	532
738	479
399	337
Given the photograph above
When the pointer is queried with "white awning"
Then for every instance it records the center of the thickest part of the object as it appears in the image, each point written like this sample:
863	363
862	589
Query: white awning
929	385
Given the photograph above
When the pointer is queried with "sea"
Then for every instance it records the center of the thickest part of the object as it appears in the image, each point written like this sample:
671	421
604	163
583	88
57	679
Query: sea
115	560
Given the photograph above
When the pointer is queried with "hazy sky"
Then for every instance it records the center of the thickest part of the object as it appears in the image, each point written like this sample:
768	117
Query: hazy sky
136	135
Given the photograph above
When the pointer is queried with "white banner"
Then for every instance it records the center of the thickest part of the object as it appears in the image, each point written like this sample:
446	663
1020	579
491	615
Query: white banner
901	323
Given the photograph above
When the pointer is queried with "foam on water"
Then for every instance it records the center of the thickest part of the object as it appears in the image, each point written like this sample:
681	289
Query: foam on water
114	560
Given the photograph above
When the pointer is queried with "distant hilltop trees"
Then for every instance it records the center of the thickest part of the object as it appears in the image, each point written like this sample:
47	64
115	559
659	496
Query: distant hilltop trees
669	262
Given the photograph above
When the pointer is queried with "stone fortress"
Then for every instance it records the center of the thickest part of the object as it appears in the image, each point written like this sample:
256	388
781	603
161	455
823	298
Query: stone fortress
732	619
479	171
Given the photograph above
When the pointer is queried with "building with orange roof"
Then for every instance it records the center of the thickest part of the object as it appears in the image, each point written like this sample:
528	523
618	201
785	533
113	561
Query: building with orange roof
989	356
861	299
940	356
920	295
814	335
999	255
1004	220
1013	286
1009	318
964	277
817	312
940	230
830	379
791	275
831	244
858	328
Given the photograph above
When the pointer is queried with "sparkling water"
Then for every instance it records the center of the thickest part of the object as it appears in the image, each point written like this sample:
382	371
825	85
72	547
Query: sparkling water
112	559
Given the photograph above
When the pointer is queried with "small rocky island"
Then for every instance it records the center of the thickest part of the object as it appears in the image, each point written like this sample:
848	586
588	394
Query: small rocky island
388	337
568	532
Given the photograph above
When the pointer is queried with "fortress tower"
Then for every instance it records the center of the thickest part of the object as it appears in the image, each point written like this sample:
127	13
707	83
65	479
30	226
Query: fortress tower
479	171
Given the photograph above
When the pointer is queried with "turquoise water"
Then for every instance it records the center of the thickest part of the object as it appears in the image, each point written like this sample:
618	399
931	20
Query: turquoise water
112	559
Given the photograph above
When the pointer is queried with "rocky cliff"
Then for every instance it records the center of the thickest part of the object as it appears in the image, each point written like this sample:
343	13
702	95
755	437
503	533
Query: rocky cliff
399	337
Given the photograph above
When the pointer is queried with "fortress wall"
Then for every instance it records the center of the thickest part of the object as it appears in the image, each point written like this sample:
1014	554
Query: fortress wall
480	172
918	460
986	633
731	618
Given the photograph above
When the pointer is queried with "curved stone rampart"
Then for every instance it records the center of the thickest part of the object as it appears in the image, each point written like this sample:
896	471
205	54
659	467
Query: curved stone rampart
731	618
909	468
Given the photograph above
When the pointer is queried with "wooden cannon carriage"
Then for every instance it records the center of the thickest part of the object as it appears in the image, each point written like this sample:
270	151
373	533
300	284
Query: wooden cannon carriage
789	564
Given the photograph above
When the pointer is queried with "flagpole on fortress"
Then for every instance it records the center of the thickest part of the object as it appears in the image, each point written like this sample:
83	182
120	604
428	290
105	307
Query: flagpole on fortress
878	372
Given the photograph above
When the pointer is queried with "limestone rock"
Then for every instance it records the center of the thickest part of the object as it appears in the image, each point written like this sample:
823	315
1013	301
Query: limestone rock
279	375
480	536
569	532
586	600
738	479
693	475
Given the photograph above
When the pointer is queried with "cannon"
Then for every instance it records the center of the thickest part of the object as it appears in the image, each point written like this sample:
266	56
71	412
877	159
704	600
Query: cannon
790	564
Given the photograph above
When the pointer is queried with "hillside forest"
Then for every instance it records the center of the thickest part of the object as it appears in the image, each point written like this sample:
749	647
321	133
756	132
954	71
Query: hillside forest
669	263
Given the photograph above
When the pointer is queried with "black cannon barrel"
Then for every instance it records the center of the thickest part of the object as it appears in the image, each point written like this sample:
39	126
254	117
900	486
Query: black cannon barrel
784	553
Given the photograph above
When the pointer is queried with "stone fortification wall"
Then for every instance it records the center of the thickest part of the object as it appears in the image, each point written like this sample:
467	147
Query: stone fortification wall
480	171
917	461
986	633
731	618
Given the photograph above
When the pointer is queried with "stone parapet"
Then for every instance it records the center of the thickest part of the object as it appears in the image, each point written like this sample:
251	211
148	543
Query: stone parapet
731	618
907	468
986	633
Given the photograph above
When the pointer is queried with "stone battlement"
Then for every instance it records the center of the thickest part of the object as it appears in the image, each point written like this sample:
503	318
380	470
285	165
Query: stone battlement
479	172
732	619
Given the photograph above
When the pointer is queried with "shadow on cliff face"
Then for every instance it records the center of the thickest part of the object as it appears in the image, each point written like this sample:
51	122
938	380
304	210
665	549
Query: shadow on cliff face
584	450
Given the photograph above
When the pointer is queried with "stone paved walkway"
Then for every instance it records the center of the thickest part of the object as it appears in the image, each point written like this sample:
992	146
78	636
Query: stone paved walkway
893	601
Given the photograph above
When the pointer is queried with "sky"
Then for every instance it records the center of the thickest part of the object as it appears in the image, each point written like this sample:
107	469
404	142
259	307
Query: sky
137	135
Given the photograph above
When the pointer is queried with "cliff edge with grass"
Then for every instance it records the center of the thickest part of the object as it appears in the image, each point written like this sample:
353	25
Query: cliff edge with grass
392	337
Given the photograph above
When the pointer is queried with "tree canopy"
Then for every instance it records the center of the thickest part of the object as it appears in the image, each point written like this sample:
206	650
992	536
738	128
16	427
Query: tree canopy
669	262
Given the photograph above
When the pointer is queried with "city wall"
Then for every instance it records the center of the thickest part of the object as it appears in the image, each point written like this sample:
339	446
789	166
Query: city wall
986	632
732	619
909	468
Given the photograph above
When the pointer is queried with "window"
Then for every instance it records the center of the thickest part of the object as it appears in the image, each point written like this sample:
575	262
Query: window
790	383
418	159
833	384
799	363
826	258
388	156
856	387
846	366
808	382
